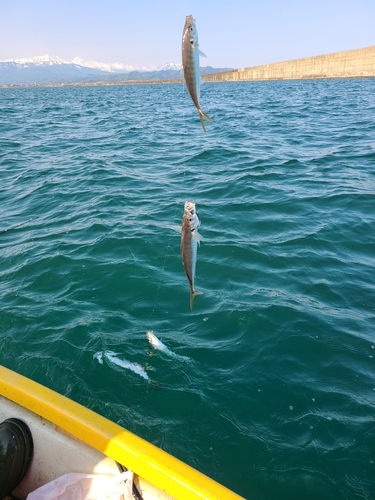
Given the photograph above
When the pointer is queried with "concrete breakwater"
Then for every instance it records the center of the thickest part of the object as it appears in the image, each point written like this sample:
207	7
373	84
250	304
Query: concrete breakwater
355	63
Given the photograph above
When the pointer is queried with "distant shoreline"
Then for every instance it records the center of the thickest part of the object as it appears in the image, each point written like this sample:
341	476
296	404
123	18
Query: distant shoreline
93	84
179	80
357	63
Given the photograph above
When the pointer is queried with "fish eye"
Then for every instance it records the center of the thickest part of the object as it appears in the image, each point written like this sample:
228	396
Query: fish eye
190	219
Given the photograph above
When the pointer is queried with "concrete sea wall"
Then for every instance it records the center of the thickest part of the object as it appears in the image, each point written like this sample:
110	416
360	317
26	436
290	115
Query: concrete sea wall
348	64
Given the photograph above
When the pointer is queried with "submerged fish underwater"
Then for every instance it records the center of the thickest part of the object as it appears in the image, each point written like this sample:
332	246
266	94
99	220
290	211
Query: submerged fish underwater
190	63
124	363
158	344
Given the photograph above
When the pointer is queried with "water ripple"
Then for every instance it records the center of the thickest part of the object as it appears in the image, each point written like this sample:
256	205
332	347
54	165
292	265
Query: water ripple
280	391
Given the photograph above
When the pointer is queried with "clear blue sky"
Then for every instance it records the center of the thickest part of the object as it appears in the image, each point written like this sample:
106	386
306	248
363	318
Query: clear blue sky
233	33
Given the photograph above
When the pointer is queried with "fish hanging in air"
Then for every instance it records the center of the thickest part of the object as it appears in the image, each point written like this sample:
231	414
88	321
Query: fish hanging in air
190	63
190	239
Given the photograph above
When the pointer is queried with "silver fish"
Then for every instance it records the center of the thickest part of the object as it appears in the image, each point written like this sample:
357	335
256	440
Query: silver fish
190	239
190	63
124	363
158	344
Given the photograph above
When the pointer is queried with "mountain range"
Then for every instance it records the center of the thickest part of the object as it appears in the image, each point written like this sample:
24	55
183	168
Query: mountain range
52	69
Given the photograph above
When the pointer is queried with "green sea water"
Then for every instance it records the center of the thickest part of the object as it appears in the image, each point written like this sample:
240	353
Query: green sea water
277	397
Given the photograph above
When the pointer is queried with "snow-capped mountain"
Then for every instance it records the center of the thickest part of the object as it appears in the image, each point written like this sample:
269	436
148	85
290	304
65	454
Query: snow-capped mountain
79	61
37	61
53	69
110	67
168	66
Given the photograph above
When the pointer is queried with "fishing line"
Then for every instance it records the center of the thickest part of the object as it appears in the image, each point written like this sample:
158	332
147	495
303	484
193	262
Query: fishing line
169	240
185	156
174	218
16	226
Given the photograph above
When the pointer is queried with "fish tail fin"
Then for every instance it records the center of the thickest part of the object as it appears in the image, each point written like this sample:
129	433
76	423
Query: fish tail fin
193	293
203	117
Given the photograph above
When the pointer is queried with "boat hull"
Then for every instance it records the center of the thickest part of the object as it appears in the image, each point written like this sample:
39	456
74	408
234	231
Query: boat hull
71	438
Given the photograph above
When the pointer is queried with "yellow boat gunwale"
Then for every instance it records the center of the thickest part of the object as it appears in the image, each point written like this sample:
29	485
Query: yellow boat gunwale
145	459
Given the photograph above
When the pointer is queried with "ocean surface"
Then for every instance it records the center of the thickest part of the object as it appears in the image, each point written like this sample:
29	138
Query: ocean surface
270	387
